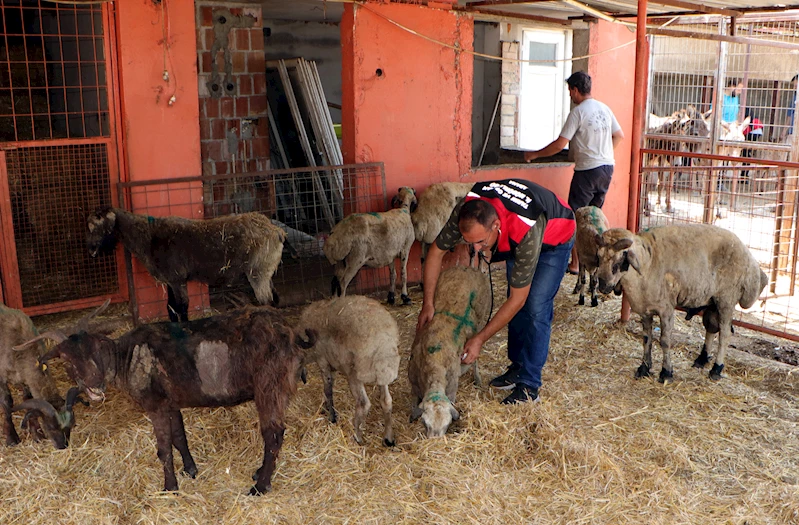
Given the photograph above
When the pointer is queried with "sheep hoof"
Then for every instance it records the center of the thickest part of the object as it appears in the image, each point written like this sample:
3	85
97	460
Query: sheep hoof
594	301
406	300
581	301
715	372
666	376
576	289
389	443
11	441
191	471
391	298
333	417
702	359
643	371
255	491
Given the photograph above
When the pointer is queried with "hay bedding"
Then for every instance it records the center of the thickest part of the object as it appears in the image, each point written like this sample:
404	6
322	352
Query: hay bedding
600	448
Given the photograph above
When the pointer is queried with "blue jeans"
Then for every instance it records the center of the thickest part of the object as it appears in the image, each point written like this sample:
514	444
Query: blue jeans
530	328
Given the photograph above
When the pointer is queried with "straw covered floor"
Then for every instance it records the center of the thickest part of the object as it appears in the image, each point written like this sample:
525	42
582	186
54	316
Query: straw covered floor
601	447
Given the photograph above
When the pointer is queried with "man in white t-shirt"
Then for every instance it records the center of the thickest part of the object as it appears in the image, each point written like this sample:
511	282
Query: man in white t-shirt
593	133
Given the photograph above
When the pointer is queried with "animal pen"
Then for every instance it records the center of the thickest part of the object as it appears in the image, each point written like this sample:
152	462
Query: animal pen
737	167
305	202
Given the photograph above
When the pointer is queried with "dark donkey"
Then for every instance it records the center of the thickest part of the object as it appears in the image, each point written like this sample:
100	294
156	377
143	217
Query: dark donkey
224	360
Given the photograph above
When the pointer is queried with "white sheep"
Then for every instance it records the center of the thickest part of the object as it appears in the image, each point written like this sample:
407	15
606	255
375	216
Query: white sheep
590	222
434	209
357	337
463	304
690	266
374	240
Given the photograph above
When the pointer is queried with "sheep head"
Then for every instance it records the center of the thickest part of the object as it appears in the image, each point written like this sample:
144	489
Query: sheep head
616	253
437	414
86	358
57	425
405	198
100	237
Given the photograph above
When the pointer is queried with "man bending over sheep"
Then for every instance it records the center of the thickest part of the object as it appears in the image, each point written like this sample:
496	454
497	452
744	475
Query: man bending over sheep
532	230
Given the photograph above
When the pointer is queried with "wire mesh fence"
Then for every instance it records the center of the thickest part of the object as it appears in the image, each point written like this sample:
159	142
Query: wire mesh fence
305	202
720	148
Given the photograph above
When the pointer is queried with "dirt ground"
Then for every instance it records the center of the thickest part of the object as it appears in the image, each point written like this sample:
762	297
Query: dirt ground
600	448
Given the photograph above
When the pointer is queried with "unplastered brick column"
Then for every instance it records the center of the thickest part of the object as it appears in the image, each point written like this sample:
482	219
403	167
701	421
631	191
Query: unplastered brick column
509	111
232	92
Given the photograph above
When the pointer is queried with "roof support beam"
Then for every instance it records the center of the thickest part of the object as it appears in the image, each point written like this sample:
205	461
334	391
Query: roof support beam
682	4
489	3
520	16
722	38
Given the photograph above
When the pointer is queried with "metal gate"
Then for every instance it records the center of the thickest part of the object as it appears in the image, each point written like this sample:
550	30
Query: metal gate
58	153
735	166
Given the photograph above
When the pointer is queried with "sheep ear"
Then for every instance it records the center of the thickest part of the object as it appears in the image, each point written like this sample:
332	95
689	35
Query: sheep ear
413	206
622	244
630	259
111	215
395	202
416	413
454	412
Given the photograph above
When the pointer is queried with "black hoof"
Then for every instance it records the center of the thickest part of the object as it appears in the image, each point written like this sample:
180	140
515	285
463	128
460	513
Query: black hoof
643	371
391	298
333	417
594	301
255	492
576	290
702	359
389	443
581	301
406	300
715	372
665	375
191	472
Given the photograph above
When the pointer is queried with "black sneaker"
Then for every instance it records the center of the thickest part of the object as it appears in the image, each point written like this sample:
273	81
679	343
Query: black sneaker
507	380
521	394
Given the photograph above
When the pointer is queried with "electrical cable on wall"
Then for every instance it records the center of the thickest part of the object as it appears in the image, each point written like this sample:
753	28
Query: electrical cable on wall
458	49
167	55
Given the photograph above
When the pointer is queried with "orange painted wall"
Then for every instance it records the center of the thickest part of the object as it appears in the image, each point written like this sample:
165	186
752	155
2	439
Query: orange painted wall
160	140
416	117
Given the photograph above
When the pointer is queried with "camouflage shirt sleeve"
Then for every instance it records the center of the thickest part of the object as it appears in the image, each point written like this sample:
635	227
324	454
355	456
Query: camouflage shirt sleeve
527	253
450	235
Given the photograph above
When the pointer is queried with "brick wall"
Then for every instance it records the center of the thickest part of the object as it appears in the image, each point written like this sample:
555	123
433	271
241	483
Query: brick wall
509	112
232	93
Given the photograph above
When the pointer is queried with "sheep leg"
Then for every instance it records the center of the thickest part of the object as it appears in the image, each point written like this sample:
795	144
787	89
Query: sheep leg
180	442
478	381
178	303
666	327
646	364
592	283
406	300
163	438
347	271
34	428
385	404
703	358
416	412
578	286
6	402
327	378
725	329
362	406
273	441
392	273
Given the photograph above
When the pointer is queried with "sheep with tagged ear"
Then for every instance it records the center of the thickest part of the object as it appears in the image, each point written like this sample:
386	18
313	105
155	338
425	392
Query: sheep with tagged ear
590	222
463	302
693	266
357	337
19	365
435	206
176	250
374	240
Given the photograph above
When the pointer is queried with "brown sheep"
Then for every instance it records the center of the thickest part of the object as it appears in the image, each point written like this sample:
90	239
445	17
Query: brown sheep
590	222
435	207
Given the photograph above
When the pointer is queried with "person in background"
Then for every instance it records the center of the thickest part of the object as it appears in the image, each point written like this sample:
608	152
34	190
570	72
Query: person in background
592	132
788	127
729	102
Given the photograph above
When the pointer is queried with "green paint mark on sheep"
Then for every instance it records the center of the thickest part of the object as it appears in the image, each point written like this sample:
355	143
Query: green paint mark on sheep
150	219
463	320
433	349
435	397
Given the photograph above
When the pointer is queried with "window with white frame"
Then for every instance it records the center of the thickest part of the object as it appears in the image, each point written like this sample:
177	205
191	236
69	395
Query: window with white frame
521	103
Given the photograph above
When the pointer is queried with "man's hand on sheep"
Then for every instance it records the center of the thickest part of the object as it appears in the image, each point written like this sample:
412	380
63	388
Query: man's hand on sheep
425	316
471	350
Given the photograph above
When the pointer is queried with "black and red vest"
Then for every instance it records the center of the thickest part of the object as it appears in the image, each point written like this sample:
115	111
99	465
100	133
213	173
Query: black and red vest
519	203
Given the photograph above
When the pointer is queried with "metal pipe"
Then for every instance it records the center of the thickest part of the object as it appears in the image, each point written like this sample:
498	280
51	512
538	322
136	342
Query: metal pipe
639	120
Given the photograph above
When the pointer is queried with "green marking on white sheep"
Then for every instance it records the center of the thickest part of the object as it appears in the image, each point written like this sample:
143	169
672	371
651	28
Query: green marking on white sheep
435	397
433	349
463	320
